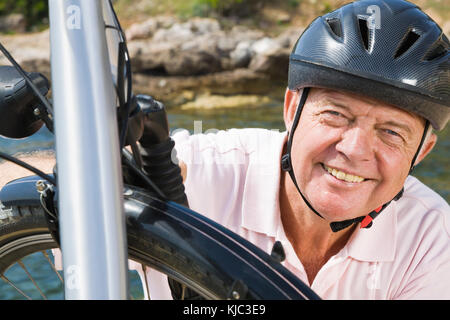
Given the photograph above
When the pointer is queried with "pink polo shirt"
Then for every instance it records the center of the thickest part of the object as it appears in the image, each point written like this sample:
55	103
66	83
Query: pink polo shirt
233	178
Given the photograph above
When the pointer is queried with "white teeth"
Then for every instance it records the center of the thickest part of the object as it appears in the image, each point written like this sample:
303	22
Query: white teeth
344	176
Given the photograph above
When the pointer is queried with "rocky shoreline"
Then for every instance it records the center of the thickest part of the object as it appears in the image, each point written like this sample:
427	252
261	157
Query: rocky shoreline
178	61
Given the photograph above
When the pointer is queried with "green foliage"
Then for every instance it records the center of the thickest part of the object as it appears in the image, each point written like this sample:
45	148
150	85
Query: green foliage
35	12
327	7
294	3
220	4
225	7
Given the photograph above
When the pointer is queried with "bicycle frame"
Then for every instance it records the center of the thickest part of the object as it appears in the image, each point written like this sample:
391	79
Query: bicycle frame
92	225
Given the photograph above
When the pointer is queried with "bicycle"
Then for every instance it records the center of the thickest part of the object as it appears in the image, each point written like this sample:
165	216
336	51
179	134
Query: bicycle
143	190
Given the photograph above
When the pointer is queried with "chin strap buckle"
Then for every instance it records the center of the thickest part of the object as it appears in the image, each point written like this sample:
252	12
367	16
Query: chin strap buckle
286	164
366	222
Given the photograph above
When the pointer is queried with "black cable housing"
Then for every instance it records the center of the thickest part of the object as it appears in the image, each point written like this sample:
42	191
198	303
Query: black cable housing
28	167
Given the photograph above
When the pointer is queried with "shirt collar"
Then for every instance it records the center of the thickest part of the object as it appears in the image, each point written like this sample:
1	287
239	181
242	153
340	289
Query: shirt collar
377	243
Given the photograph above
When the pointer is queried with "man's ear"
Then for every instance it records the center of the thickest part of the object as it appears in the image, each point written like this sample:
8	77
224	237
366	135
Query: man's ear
429	144
290	105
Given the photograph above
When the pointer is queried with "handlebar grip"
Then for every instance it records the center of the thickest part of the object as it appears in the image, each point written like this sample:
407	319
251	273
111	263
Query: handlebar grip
156	126
157	150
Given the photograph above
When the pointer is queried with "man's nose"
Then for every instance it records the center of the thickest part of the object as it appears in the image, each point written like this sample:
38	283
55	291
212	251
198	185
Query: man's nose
356	144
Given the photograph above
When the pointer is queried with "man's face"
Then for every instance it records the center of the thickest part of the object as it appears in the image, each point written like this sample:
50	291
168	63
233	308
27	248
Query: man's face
351	154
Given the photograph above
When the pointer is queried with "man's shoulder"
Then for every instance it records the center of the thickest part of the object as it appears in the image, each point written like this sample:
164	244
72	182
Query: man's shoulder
247	139
258	140
424	195
229	172
421	207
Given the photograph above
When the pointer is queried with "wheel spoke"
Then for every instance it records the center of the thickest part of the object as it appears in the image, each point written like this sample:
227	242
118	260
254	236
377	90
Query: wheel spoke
31	278
183	291
144	267
12	285
52	265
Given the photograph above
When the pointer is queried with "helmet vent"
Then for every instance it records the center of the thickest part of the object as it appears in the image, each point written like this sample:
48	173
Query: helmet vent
335	26
408	41
364	32
439	49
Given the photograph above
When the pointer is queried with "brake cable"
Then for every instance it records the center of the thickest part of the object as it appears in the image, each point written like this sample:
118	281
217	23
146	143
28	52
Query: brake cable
28	167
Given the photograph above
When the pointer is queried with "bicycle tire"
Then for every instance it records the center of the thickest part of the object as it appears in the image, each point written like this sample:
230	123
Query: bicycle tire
188	247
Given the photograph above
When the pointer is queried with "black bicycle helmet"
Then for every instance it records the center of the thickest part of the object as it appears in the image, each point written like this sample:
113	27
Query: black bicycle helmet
388	50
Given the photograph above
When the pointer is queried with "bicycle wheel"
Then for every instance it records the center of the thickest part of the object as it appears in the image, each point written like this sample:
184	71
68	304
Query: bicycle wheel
186	246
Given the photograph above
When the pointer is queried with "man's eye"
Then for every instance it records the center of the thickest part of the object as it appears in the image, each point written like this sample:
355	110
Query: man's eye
334	113
391	132
334	118
391	136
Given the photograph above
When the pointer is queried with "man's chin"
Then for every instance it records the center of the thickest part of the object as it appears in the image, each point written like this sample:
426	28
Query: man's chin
339	205
339	211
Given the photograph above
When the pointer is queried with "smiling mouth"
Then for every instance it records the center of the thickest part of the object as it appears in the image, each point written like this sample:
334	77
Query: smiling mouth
340	175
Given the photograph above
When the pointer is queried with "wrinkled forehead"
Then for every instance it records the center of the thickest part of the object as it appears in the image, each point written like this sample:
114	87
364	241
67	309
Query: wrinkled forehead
352	100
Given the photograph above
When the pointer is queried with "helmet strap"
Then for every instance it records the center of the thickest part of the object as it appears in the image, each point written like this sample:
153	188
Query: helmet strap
286	163
424	135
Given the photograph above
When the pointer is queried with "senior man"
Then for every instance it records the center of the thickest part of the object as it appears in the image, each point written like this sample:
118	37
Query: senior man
367	85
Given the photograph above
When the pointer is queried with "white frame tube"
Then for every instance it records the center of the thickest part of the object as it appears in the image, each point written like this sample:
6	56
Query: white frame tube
92	223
